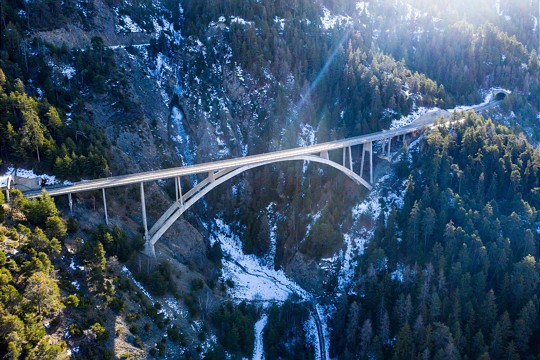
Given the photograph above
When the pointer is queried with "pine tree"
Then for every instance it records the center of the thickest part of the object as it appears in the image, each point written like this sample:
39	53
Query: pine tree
42	291
32	132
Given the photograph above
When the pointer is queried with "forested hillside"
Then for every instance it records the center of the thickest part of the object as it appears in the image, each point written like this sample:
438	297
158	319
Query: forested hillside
454	272
282	256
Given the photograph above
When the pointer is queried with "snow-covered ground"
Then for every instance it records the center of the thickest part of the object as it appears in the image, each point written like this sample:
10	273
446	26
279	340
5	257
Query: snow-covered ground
258	352
406	120
127	25
29	174
252	280
312	337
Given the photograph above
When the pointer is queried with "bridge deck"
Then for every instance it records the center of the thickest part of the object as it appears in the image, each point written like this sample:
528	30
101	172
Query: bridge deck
123	180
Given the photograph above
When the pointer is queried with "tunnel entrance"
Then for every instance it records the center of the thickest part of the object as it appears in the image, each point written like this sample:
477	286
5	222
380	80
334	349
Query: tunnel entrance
500	96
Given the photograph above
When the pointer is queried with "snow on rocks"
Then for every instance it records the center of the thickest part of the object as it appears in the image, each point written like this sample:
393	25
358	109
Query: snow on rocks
239	20
362	6
397	275
330	21
127	25
252	280
280	23
406	120
76	284
68	71
307	135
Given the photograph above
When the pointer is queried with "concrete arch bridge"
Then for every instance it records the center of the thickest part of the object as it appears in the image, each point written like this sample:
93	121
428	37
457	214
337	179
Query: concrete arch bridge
219	172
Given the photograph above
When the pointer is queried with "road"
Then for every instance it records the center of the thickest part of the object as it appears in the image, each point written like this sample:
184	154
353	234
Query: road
320	332
419	124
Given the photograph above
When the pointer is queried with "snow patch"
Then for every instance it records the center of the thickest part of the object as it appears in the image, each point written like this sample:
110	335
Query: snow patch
252	280
406	120
280	22
239	20
127	25
47	180
330	21
312	335
307	135
362	7
258	352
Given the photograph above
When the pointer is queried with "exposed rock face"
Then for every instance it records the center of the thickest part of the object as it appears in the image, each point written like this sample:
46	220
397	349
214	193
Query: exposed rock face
76	35
306	272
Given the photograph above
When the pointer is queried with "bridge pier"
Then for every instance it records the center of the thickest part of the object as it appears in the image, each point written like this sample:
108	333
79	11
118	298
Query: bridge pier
367	147
143	209
149	249
324	155
105	206
178	186
8	187
70	201
389	143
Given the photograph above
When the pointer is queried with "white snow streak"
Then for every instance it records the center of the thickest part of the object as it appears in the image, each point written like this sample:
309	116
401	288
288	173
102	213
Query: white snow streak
258	352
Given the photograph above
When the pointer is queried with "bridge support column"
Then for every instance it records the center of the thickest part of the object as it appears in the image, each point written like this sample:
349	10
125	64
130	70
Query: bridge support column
350	158
105	206
211	176
367	147
143	209
389	143
324	155
178	186
149	249
8	187
344	156
70	200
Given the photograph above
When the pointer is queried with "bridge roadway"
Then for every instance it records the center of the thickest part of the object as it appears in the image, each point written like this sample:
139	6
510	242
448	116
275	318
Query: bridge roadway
220	171
275	156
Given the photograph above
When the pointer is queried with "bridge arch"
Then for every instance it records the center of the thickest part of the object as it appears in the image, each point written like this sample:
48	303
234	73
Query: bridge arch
215	179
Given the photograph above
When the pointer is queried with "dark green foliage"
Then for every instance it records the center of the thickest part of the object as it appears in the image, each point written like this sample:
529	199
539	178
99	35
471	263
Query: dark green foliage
38	210
55	228
116	242
160	280
29	296
197	284
467	259
215	254
176	336
101	333
284	336
234	327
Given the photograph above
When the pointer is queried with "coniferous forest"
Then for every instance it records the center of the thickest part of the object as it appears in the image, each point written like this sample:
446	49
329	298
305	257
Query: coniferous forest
282	261
454	272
